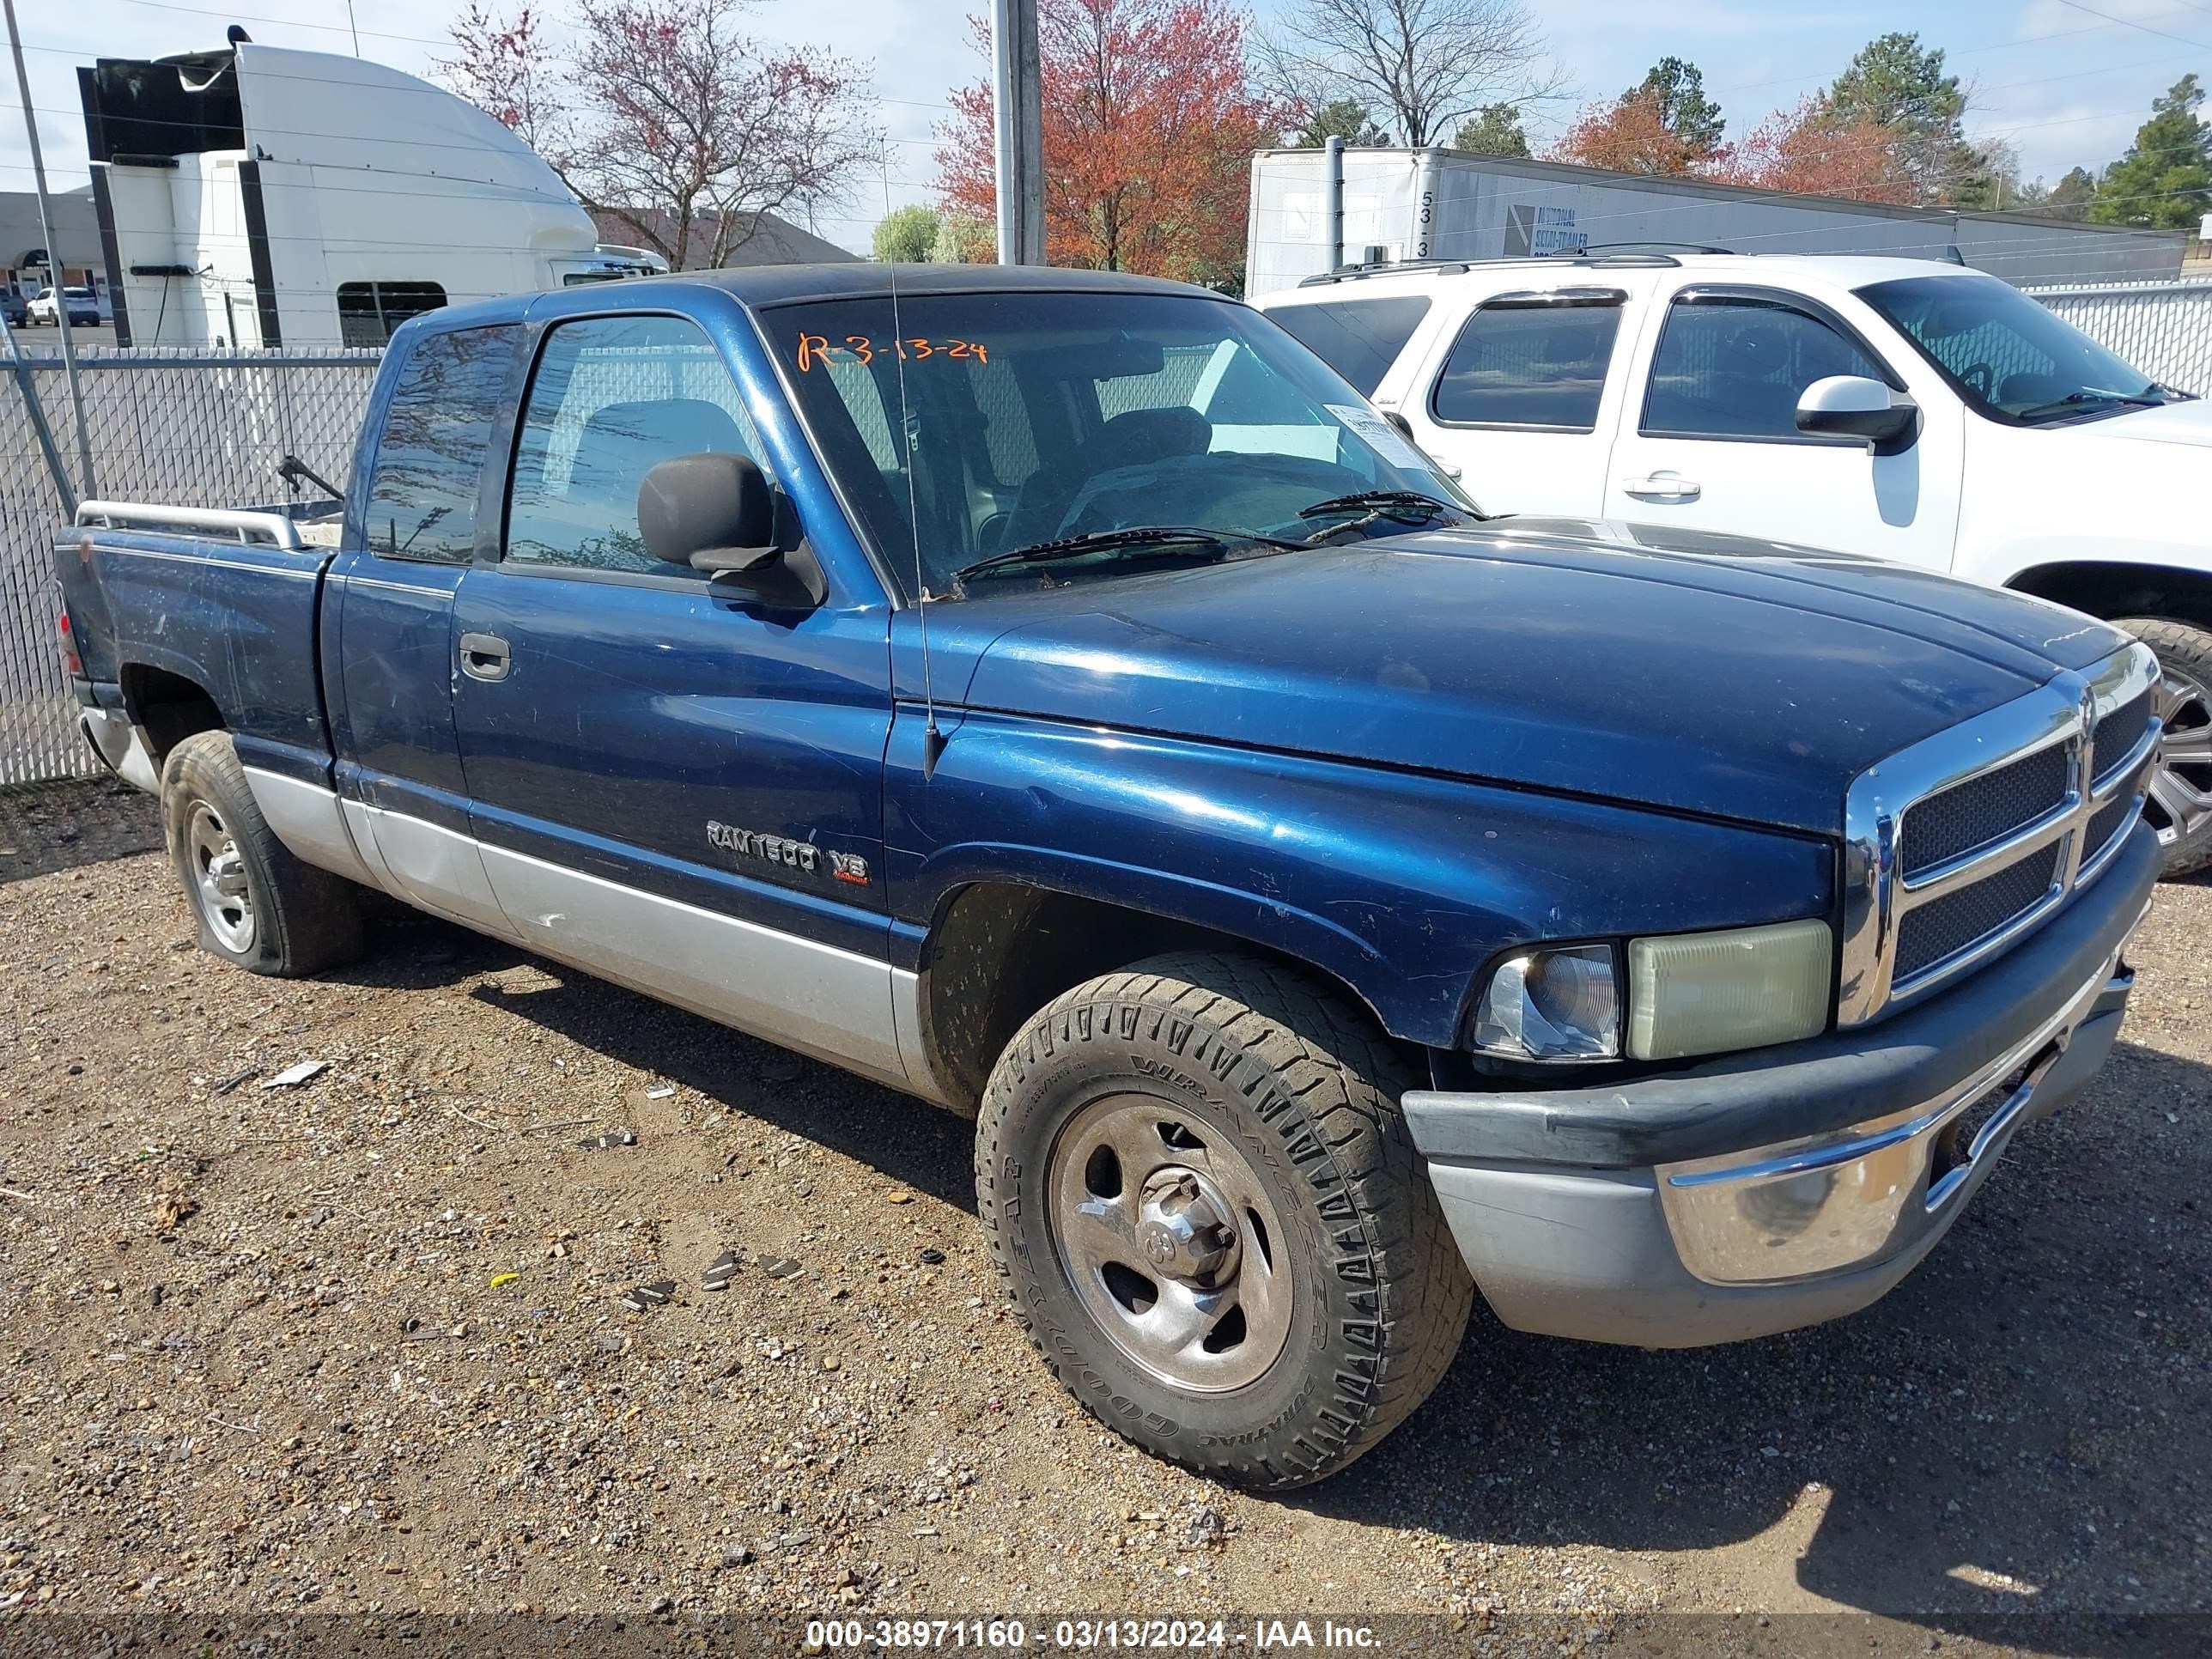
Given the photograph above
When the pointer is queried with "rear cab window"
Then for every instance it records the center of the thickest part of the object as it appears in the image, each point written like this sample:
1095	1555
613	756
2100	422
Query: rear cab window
439	426
1358	338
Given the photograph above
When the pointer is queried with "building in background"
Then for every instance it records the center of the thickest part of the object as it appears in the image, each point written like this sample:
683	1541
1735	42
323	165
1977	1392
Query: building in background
773	241
25	264
1440	204
253	195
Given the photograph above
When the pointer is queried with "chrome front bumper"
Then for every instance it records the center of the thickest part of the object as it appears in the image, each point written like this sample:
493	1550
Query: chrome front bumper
1830	1203
1785	1187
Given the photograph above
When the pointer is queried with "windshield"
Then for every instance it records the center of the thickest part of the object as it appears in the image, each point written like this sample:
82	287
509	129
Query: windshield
1032	416
2010	357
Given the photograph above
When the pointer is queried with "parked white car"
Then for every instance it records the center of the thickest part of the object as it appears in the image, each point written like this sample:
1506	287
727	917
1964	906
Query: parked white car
83	308
1910	410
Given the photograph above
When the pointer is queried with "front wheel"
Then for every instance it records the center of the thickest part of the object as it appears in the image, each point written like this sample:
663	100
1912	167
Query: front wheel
1206	1211
2178	801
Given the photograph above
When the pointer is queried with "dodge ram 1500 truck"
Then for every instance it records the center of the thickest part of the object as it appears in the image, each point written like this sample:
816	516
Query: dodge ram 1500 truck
1060	696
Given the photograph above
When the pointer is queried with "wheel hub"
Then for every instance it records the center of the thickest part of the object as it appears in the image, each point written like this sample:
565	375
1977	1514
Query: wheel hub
2179	786
219	883
1183	1227
1170	1241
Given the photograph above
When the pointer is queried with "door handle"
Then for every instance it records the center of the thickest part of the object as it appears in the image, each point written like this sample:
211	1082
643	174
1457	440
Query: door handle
484	657
1663	487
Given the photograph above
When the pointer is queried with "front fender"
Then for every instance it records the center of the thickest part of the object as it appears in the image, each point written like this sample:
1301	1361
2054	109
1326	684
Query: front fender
1400	885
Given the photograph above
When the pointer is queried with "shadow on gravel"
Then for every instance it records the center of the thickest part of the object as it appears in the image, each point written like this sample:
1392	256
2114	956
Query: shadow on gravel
2019	1428
912	1143
49	826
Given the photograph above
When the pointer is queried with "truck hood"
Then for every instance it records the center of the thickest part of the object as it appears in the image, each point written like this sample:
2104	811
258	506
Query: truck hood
2169	424
1701	674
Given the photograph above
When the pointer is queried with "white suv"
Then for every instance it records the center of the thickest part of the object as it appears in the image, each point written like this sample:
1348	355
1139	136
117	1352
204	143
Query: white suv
1908	411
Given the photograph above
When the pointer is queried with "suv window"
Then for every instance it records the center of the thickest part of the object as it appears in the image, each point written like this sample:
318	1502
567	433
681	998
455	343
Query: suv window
430	455
1529	365
1357	338
611	398
1733	366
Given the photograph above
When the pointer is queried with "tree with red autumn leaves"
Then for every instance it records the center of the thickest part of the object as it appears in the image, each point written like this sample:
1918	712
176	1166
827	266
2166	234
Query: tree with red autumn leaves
1150	123
1630	135
1813	150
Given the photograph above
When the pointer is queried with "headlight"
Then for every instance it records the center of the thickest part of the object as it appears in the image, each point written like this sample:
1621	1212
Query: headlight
1707	993
1552	1005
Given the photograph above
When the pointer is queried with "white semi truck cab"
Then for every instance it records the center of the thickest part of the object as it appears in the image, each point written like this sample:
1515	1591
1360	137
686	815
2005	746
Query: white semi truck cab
252	196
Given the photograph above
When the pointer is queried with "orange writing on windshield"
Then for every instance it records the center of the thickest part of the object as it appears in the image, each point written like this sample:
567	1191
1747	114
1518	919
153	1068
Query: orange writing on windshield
861	349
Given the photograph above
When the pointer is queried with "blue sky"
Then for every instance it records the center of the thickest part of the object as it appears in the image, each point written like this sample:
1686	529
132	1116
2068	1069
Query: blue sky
2064	81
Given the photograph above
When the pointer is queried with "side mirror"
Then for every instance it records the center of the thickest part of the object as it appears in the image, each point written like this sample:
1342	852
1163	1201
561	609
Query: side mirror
713	512
719	514
1853	406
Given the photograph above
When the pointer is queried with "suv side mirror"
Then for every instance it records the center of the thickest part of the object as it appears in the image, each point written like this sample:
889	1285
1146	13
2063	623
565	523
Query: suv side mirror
718	513
1853	406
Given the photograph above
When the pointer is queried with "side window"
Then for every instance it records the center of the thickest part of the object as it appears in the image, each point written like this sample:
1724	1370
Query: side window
1357	338
369	312
430	453
1529	365
1733	368
612	398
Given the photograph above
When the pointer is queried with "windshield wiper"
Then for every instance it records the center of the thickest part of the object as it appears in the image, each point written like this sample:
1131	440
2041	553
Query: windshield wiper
1406	506
1133	536
2087	396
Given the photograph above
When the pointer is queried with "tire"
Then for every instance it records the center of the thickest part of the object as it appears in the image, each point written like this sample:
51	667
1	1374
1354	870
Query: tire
2179	803
1260	1100
255	904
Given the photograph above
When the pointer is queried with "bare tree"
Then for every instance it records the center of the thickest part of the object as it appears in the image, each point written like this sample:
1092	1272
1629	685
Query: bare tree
672	118
508	69
1430	63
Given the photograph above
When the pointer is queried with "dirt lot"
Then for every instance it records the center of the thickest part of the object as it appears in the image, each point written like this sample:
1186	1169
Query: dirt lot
359	1344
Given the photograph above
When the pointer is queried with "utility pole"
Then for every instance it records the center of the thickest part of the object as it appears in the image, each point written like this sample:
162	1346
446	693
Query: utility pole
57	273
1018	110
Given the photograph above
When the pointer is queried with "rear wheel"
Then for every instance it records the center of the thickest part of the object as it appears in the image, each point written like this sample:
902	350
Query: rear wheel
256	903
2178	800
1205	1207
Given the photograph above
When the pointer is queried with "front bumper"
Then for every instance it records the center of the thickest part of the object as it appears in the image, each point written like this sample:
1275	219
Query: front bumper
1784	1188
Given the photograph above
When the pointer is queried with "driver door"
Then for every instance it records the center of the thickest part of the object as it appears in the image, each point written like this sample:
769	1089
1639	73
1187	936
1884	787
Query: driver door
1709	437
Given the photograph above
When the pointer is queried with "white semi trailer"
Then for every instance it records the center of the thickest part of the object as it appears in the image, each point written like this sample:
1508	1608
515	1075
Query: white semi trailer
254	196
1408	204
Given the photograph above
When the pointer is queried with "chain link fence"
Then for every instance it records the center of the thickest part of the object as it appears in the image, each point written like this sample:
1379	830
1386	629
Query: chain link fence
2164	328
184	426
201	429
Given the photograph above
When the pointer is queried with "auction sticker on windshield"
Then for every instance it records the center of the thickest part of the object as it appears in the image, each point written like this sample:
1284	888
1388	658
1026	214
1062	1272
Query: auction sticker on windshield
1382	437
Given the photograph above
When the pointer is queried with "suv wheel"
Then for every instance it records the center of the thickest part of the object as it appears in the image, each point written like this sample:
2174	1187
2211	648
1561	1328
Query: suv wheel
1205	1209
2179	794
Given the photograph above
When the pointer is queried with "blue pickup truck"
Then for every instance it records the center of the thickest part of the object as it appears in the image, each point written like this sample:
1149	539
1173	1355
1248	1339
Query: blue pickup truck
1060	697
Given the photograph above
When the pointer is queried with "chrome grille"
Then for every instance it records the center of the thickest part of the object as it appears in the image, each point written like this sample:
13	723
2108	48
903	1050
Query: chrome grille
1956	846
1983	810
2117	735
1966	915
2112	819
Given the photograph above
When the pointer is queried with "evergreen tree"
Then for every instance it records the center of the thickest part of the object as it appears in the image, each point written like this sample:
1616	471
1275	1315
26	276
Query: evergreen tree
1493	130
1340	117
2165	180
1896	83
1679	89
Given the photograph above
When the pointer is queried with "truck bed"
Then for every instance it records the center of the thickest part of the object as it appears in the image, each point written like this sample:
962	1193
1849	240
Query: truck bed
220	599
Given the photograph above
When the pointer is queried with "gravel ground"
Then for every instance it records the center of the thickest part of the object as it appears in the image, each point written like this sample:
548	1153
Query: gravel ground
359	1344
